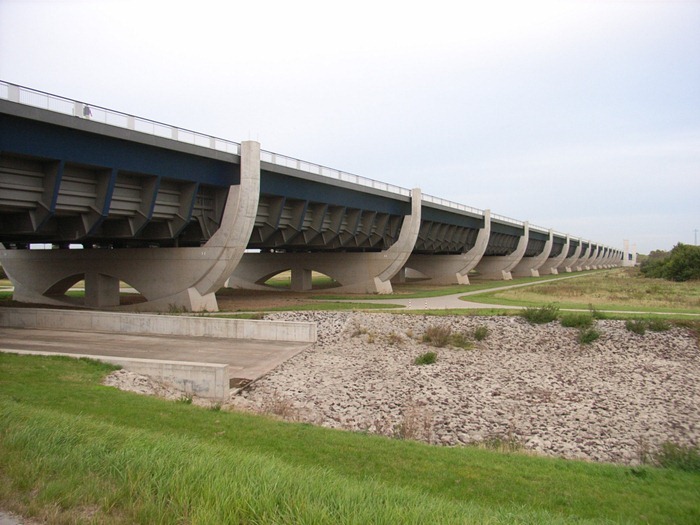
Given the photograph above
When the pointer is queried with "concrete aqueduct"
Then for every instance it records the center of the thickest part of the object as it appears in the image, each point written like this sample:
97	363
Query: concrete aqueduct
177	214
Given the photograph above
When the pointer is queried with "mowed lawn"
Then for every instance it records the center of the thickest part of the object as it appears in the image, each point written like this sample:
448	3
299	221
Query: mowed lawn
72	450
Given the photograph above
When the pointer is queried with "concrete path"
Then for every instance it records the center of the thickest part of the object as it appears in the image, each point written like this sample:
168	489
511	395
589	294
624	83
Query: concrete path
453	302
247	359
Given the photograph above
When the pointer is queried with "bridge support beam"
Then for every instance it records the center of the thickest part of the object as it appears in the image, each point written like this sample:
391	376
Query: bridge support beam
568	263
552	264
579	265
369	272
529	266
452	269
169	278
500	266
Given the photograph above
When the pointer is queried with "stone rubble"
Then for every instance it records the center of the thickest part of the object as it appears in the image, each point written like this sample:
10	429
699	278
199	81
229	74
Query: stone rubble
614	400
531	386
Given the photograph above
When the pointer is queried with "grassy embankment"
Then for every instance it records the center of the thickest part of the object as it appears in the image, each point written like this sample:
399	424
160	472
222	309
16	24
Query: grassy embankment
622	289
72	450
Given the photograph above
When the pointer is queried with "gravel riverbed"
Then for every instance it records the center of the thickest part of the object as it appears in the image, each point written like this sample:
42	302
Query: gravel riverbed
613	400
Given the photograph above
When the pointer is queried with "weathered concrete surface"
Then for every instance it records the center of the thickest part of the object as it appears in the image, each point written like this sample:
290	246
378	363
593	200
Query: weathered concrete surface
198	355
203	366
153	324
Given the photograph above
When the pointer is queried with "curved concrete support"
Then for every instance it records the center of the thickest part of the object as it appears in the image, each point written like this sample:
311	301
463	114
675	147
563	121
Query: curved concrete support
588	265
499	267
453	269
580	265
600	260
369	272
551	265
529	266
569	262
182	278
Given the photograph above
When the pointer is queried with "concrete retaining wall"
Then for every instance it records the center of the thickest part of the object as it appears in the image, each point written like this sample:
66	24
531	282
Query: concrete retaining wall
207	380
148	324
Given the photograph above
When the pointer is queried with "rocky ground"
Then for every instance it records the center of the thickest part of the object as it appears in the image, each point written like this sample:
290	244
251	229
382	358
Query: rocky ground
536	387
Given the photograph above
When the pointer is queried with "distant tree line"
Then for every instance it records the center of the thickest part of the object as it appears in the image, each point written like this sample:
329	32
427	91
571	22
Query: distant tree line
682	263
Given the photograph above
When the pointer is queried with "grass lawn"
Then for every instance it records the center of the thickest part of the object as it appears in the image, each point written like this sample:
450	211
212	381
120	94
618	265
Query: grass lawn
619	289
72	450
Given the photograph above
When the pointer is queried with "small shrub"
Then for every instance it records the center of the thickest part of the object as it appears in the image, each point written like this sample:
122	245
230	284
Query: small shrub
185	399
461	340
395	339
437	335
679	457
577	320
427	358
637	326
278	405
176	309
541	314
658	325
588	335
595	313
416	424
481	332
358	330
503	444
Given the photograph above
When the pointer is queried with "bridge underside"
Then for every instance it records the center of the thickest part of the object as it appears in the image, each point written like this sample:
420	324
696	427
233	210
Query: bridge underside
176	221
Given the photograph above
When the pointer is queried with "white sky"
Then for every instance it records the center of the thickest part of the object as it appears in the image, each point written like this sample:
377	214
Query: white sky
583	116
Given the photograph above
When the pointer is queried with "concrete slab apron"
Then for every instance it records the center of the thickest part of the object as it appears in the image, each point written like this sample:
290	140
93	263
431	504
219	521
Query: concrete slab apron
247	360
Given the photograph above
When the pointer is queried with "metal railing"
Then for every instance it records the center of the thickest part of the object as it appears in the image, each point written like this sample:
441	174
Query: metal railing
538	228
316	169
503	218
48	101
453	205
43	100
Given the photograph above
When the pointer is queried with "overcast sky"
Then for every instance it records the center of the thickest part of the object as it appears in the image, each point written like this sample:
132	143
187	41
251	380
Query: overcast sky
582	116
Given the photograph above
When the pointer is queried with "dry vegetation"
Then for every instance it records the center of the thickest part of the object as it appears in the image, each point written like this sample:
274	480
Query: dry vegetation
623	286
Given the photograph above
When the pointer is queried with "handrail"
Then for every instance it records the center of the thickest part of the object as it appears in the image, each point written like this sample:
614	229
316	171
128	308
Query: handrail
503	218
324	171
50	102
538	228
453	205
66	106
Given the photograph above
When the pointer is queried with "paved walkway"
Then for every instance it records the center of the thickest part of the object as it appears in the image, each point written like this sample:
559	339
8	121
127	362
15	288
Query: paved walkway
453	302
246	359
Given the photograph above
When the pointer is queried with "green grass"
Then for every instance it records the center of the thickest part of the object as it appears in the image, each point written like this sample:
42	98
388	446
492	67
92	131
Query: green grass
577	320
419	290
427	358
541	314
622	289
71	448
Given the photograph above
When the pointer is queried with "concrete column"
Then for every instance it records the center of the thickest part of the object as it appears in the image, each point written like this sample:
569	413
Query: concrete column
588	265
551	265
453	269
568	263
301	279
499	267
585	255
529	266
101	290
356	272
183	278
